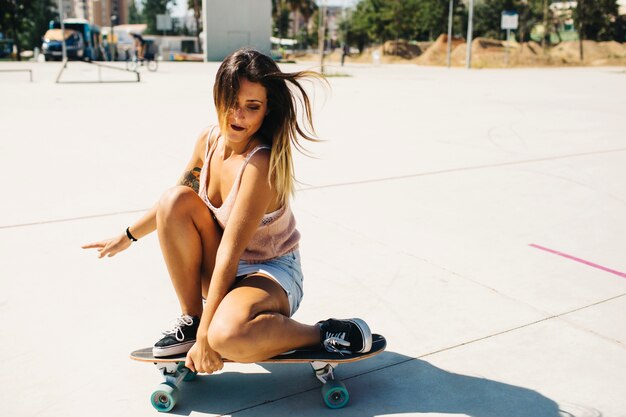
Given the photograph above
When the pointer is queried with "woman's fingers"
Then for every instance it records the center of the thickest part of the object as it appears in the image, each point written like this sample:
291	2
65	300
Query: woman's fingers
94	245
109	247
201	361
189	364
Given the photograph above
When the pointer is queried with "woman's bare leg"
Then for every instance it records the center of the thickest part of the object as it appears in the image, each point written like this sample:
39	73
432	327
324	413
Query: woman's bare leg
189	237
252	323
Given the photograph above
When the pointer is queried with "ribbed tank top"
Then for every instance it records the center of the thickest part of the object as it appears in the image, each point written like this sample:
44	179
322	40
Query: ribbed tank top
277	233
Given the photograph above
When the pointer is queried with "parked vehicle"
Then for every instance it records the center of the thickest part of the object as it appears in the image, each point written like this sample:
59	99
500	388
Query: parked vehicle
86	44
52	47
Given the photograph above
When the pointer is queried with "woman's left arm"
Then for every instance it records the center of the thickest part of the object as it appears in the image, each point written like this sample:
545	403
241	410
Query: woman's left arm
253	199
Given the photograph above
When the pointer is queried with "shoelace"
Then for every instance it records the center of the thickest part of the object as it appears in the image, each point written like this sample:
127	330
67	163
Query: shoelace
184	320
334	342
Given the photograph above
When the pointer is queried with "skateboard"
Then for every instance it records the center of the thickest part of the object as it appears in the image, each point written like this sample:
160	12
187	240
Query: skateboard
334	392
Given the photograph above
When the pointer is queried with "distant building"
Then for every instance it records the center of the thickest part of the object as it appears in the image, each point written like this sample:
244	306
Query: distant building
232	24
97	12
102	11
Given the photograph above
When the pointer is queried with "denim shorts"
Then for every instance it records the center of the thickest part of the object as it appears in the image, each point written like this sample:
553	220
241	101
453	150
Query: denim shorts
284	270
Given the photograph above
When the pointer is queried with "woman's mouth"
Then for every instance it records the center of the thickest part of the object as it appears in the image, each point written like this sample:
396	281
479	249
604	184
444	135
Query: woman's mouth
237	128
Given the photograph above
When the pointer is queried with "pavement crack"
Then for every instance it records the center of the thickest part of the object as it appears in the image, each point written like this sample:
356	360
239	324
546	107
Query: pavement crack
345	184
71	219
523	326
460	169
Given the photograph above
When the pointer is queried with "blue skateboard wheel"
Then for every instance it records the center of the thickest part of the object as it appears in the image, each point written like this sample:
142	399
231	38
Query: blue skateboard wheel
164	398
335	394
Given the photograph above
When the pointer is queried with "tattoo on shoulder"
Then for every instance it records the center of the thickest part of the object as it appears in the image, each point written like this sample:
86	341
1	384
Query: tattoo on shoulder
191	179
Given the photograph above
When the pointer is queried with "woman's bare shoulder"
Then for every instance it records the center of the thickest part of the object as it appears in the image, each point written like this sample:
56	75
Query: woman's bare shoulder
207	138
261	158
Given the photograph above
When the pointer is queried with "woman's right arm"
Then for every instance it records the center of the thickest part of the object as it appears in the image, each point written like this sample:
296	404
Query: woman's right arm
147	223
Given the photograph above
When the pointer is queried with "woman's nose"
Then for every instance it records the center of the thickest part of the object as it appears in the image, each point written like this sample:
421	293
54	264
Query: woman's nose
237	112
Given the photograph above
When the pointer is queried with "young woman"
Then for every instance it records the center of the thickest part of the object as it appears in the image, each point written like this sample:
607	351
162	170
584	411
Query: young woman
228	235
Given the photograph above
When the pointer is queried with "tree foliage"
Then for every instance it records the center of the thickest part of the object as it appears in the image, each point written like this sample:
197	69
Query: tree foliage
150	10
134	16
25	21
598	18
380	20
375	21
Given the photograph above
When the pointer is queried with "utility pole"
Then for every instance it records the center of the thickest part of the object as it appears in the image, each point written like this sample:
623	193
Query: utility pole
468	60
111	50
280	27
196	16
61	14
449	55
580	29
545	24
321	34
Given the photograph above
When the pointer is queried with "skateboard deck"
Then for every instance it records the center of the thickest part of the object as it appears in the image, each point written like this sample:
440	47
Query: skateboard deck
334	392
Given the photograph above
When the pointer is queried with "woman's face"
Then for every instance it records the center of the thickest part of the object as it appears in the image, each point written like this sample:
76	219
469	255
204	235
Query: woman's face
247	117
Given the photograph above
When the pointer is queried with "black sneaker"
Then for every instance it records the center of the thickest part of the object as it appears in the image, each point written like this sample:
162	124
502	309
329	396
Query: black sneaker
180	339
346	336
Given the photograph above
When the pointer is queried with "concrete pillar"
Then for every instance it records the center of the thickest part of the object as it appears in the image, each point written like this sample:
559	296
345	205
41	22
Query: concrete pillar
232	24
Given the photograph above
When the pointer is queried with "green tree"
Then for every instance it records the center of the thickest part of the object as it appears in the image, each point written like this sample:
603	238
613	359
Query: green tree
596	19
487	17
530	13
488	14
196	6
380	20
432	18
26	21
371	18
152	8
280	17
134	16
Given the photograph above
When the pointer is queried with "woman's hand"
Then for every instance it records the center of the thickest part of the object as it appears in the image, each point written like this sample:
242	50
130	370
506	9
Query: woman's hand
201	358
110	247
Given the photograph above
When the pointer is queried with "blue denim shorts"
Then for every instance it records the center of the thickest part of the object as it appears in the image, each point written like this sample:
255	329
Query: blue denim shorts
285	270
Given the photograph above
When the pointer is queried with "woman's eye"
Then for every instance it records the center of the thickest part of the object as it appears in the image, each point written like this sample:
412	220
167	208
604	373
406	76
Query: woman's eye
253	108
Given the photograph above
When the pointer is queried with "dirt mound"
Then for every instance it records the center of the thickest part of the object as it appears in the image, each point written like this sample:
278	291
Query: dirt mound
492	53
437	53
594	53
486	53
402	49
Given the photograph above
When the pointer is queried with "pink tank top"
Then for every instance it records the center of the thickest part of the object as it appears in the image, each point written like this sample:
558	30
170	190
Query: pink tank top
277	233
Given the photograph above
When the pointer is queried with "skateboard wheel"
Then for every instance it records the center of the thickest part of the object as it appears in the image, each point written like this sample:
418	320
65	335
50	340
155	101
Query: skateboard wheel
164	398
335	394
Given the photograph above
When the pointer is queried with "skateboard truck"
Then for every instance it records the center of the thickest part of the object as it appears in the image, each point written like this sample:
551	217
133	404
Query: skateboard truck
324	371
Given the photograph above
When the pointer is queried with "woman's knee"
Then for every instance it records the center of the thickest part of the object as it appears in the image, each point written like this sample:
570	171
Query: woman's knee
177	201
229	337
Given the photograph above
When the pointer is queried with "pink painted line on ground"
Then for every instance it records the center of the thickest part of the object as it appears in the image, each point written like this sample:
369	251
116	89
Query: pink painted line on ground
582	261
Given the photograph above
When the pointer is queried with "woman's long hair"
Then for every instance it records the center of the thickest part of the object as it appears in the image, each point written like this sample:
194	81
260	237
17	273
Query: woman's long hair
280	128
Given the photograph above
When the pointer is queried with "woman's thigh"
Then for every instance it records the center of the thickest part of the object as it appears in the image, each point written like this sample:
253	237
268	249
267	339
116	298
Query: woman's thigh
249	298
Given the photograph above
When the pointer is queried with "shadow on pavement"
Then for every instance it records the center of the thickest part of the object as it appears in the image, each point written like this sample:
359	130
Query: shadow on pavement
416	386
396	384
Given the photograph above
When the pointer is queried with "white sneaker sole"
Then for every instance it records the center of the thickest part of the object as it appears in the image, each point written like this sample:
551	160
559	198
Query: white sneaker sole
179	349
365	332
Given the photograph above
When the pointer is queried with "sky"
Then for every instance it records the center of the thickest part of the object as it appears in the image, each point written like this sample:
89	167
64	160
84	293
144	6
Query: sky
181	7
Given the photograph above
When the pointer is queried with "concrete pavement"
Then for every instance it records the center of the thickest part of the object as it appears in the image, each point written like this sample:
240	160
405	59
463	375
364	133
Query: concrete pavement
418	215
